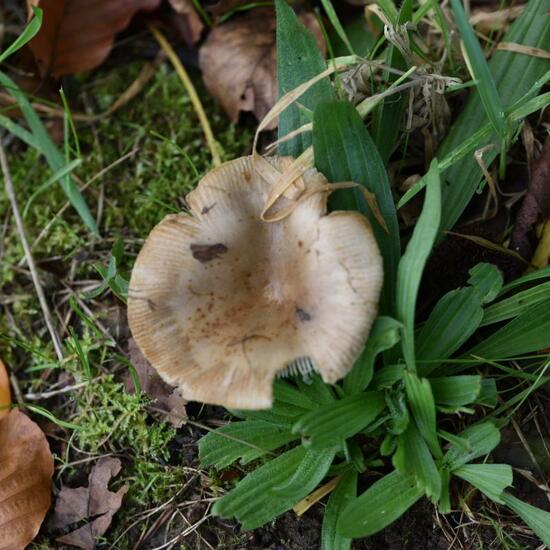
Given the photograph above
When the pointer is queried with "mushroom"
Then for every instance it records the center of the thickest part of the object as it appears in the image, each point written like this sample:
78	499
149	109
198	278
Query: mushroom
221	302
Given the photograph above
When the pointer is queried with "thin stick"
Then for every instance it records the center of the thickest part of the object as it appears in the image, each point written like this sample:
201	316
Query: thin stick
8	183
184	77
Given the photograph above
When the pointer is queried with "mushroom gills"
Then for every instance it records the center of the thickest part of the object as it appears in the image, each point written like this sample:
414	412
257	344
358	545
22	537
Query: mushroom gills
300	366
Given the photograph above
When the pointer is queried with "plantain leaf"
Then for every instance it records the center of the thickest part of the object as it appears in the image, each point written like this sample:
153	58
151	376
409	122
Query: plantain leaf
384	334
413	458
487	280
456	391
537	519
381	504
246	441
344	151
490	479
412	263
327	426
344	493
298	60
481	439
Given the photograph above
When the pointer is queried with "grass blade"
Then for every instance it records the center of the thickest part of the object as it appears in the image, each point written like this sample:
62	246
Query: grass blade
29	32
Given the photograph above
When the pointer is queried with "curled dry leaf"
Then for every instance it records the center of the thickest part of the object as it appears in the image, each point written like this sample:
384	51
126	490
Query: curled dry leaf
238	62
77	35
95	502
25	478
5	395
187	22
221	302
536	204
166	397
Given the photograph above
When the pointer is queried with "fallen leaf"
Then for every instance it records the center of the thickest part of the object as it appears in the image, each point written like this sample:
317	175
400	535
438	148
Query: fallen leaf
223	6
5	395
77	35
535	206
95	503
187	22
238	62
25	479
166	397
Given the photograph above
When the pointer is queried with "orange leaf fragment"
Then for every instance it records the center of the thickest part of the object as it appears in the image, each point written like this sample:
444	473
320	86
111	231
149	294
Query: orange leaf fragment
5	396
25	479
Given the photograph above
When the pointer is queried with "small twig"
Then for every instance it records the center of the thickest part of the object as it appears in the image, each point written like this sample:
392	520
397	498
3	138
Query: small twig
48	394
8	184
188	84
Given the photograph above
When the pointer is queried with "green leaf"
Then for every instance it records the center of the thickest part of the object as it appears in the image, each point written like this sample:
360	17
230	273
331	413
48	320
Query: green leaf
252	501
360	37
315	465
487	280
314	388
488	395
381	504
515	305
29	32
421	400
456	391
537	519
333	18
330	424
455	317
481	438
528	332
246	441
285	393
399	414
47	147
541	273
344	493
412	263
344	151
384	334
461	181
298	60
490	479
413	458
480	71
387	376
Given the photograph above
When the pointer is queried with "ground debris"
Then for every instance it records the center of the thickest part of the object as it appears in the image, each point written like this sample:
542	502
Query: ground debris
165	396
536	204
95	502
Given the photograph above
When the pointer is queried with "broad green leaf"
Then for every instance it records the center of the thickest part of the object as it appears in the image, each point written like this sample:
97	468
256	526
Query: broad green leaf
314	388
487	280
335	22
537	519
488	395
246	441
47	147
285	393
254	502
385	377
421	400
344	493
461	181
528	332
344	151
456	391
384	334
444	504
360	36
413	458
480	71
412	263
515	305
330	424
381	504
541	273
481	438
26	35
314	466
399	413
298	60
490	479
455	317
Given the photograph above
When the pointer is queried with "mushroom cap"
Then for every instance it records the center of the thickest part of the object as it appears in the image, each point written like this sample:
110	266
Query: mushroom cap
220	301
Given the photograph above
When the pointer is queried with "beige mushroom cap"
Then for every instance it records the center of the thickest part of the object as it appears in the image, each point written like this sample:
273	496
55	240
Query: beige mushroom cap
221	301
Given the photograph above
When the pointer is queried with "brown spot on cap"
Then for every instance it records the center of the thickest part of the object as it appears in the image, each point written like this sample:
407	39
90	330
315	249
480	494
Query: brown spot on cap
303	315
208	252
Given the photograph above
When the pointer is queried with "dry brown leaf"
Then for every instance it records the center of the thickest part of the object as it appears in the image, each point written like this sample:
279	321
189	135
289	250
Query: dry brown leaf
187	22
238	62
25	478
5	395
166	397
223	6
95	502
535	206
77	35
